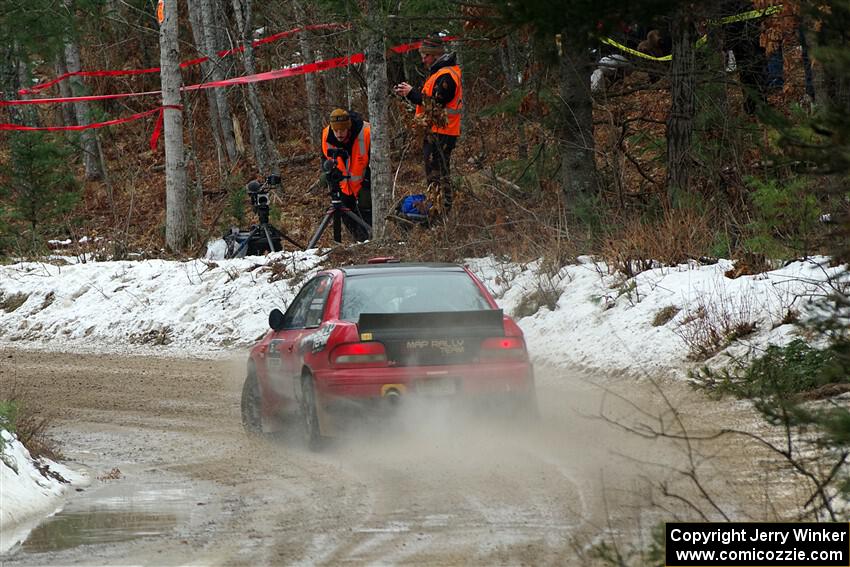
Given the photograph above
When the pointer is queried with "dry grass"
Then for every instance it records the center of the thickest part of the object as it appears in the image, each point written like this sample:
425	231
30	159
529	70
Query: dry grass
28	423
665	315
714	322
675	238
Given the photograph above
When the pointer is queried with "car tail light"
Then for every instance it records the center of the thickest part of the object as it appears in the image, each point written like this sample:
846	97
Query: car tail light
503	348
368	353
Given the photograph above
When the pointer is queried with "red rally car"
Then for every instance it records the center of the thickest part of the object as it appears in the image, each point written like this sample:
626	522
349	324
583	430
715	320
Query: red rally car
368	336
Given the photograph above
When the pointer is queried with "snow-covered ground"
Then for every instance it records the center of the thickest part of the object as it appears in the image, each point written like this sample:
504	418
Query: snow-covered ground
642	326
29	490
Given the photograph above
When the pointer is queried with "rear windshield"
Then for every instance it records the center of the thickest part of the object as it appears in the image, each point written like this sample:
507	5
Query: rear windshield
410	293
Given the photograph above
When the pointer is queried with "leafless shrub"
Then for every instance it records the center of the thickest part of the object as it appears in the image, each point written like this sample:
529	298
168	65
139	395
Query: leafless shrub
29	423
715	322
545	294
792	452
674	239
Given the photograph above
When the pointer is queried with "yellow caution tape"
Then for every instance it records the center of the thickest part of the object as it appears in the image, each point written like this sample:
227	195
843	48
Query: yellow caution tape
634	52
751	15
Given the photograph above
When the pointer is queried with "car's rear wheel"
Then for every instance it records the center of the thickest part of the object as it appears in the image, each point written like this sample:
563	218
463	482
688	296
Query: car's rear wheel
252	419
310	414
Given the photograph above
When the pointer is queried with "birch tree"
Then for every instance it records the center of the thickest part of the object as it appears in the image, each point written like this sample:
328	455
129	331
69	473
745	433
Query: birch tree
176	194
88	138
198	34
68	116
216	70
378	89
511	69
314	117
265	152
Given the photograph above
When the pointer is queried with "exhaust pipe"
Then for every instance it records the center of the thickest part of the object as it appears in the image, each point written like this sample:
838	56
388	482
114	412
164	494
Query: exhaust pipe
393	397
392	393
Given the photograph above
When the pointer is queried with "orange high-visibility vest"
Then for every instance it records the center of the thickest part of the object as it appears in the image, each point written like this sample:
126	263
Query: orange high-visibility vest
356	164
453	108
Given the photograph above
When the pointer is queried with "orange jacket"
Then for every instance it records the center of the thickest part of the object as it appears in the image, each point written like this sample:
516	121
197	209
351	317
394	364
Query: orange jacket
453	108
356	164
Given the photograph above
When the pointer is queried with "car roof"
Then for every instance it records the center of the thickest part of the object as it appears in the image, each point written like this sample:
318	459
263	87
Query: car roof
399	267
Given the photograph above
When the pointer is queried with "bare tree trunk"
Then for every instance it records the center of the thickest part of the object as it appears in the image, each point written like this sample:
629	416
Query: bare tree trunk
377	90
680	123
68	117
265	152
216	70
314	117
335	91
510	67
88	138
177	210
24	80
199	35
575	132
10	82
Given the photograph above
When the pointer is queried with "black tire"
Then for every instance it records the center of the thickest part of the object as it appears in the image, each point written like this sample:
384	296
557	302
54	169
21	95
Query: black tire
252	419
310	415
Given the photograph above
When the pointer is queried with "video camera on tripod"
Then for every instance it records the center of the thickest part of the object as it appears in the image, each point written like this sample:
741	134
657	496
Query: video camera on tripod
259	195
338	209
263	237
333	175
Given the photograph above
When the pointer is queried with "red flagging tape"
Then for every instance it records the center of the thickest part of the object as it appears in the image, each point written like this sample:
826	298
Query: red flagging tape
268	75
81	127
184	64
154	137
74	98
157	130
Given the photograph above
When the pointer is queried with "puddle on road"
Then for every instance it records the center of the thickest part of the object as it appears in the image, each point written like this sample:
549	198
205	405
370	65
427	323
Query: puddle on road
112	513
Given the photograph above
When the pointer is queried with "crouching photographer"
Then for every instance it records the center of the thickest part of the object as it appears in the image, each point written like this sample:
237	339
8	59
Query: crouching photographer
349	132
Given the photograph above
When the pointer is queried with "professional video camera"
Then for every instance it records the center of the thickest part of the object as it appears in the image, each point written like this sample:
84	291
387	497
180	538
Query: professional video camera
359	228
333	175
259	195
263	237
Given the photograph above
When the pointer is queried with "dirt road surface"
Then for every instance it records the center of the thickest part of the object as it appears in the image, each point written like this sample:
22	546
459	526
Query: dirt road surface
176	481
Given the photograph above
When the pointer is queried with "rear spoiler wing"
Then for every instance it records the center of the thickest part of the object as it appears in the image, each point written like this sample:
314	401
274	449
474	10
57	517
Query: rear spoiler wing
440	324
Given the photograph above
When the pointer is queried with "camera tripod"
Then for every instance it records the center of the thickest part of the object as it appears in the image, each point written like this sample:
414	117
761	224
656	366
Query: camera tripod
262	237
335	212
256	239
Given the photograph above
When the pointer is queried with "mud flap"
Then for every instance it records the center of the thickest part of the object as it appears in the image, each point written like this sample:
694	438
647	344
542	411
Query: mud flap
327	427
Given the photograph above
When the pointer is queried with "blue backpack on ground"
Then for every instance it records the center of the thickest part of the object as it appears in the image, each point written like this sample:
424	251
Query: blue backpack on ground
409	205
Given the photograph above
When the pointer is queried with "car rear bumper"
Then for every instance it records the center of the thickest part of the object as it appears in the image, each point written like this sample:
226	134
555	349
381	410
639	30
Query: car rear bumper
433	381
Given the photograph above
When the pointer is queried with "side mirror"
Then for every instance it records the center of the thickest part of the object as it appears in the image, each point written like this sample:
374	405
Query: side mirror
276	319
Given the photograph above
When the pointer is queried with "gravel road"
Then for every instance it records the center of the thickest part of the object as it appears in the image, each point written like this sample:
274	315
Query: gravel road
178	482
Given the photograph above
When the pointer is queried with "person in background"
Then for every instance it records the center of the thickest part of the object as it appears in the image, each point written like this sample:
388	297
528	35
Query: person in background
444	87
348	130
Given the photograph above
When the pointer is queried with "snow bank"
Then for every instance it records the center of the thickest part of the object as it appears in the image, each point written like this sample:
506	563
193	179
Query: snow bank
606	322
29	489
600	320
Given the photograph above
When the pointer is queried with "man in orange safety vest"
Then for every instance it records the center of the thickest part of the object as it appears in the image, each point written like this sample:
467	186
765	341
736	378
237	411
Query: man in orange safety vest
444	86
347	130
